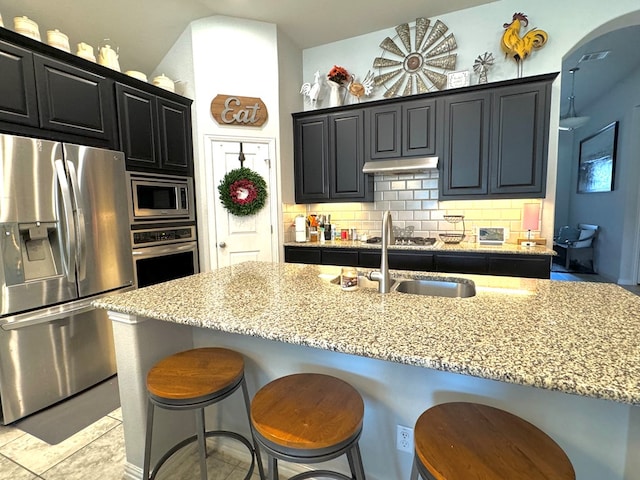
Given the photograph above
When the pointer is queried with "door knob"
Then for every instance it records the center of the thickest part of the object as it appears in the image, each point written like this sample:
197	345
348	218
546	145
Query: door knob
222	244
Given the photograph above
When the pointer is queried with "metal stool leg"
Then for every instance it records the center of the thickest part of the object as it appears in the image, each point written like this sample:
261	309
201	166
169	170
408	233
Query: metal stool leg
273	467
414	470
256	448
355	462
147	441
202	445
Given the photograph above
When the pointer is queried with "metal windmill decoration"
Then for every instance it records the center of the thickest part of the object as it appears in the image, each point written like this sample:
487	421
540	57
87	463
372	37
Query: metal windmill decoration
410	67
482	64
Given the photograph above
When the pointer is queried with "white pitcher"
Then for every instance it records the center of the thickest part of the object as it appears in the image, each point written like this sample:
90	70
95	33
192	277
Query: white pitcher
108	57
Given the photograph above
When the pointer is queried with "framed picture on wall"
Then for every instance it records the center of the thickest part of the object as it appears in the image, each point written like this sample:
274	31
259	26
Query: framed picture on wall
597	161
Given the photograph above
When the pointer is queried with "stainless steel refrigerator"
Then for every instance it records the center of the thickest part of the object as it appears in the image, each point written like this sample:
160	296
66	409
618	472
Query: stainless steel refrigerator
64	241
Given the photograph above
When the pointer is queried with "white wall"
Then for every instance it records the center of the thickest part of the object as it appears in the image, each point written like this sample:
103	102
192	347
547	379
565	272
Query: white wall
233	56
478	30
290	67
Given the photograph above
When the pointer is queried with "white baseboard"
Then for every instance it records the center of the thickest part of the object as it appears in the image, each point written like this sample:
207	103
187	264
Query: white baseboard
131	472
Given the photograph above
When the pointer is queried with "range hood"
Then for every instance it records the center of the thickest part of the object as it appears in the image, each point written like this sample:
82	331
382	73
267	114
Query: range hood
401	165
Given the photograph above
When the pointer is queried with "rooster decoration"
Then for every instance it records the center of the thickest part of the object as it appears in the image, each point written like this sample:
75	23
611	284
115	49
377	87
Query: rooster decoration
517	46
312	90
360	89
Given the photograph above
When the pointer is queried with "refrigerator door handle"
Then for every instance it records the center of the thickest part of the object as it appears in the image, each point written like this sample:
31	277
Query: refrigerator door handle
46	315
70	263
80	223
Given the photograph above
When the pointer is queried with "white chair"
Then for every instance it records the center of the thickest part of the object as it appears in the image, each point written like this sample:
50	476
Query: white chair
575	247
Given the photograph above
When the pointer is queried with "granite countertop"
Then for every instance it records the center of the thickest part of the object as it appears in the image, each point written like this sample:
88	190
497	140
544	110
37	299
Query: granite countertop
574	337
507	248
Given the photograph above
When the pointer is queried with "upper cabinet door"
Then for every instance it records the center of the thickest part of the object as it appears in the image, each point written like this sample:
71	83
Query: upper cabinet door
419	128
465	150
346	158
384	132
401	130
74	101
155	133
519	140
174	122
137	125
311	159
18	102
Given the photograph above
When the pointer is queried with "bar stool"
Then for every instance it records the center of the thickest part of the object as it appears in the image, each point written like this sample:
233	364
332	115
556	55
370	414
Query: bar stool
309	418
462	440
193	380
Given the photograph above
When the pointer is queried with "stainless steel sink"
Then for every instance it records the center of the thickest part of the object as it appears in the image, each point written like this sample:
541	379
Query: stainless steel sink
451	287
437	288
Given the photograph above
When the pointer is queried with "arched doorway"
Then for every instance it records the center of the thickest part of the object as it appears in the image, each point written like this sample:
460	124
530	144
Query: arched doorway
606	91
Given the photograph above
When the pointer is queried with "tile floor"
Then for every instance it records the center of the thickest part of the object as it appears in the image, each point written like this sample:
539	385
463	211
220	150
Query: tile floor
96	453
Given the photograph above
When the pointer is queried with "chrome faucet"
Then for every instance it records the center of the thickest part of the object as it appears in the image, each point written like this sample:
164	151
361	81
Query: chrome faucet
382	277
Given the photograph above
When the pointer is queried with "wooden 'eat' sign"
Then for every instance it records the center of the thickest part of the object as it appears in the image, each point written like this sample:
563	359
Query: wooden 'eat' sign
237	110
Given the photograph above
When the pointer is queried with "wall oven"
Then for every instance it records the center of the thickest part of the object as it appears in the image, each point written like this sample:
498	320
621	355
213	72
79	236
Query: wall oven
160	198
163	254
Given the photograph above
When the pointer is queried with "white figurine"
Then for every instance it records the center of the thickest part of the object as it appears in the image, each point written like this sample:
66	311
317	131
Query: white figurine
312	91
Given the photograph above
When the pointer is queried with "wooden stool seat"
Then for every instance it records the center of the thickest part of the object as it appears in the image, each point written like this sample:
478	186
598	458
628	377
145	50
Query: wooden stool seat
462	440
309	418
195	375
193	380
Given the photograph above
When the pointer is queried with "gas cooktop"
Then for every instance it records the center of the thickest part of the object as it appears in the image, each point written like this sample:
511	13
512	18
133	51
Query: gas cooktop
426	241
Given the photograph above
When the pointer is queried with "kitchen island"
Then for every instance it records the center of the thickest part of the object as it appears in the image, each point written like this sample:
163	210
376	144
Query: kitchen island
562	355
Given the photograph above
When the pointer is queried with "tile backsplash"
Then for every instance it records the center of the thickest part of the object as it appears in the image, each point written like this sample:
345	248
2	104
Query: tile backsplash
413	201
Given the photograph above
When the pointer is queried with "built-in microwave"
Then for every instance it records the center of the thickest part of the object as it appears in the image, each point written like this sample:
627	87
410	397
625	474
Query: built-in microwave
156	197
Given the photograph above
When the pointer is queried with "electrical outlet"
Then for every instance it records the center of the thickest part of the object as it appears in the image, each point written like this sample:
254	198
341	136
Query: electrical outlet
404	439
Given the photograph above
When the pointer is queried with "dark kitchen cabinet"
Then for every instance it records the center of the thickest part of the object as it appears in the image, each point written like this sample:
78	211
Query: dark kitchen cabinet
530	266
174	123
398	260
339	256
328	158
346	158
461	263
401	130
466	139
478	263
311	159
519	140
155	133
18	100
137	126
74	101
311	255
495	142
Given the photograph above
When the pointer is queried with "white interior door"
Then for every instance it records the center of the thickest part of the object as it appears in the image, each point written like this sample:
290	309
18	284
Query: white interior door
239	239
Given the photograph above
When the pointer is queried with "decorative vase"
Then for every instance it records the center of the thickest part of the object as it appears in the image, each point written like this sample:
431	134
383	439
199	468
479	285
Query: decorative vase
335	95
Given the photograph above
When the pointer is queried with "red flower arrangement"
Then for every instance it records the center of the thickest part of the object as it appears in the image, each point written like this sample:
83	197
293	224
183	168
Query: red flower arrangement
338	74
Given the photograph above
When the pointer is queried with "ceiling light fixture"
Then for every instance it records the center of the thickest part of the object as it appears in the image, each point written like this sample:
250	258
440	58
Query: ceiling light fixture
571	120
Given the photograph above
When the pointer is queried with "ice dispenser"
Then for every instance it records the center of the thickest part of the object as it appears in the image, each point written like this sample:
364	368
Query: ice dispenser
30	252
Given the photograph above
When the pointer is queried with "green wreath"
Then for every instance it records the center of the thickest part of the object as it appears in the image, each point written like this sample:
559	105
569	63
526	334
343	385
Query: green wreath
243	192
